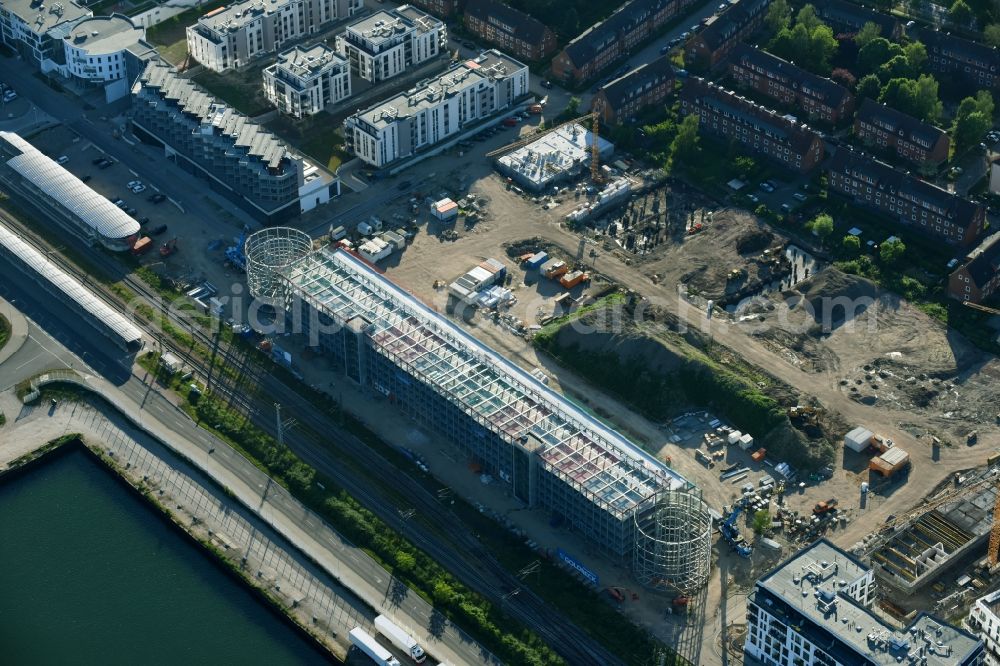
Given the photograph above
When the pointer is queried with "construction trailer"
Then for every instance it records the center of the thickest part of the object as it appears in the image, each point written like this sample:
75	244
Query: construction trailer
890	462
859	439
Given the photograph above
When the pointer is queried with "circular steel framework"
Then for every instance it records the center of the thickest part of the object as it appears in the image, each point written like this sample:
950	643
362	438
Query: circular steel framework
268	251
673	532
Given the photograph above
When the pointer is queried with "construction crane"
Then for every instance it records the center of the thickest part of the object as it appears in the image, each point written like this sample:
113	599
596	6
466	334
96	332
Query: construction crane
981	308
993	553
595	148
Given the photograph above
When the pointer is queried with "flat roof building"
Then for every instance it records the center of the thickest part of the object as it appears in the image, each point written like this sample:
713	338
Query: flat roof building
436	110
984	621
233	36
25	26
550	452
84	212
387	43
306	80
817	607
557	156
241	159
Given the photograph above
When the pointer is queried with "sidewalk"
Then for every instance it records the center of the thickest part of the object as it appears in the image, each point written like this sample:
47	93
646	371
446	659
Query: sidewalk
18	330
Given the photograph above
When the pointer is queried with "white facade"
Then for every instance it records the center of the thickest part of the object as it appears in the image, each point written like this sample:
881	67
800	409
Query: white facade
816	608
35	29
388	43
984	621
233	36
422	117
95	47
304	81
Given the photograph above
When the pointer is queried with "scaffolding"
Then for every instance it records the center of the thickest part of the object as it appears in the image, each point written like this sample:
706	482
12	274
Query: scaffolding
606	470
267	252
673	541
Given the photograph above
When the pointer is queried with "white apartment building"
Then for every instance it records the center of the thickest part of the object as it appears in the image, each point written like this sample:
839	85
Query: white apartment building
984	621
28	26
441	108
305	80
389	42
96	46
816	608
234	35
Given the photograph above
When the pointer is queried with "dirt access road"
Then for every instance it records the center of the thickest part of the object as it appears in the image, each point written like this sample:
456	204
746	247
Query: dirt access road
511	217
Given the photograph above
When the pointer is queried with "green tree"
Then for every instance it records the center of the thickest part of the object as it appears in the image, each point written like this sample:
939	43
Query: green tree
897	68
869	86
684	147
822	47
876	53
442	592
991	34
822	226
761	522
960	13
869	32
917	97
744	165
891	251
570	24
851	244
973	119
779	17
807	17
572	106
916	56
405	561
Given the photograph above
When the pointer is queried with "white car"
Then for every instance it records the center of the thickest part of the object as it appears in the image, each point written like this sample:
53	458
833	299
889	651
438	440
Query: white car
62	159
132	183
9	96
138	188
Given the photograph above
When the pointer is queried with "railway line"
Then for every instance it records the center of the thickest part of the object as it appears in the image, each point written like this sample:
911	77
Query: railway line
456	549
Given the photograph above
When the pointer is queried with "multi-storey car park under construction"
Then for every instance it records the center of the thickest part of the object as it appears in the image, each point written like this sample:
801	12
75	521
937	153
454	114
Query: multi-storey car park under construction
550	452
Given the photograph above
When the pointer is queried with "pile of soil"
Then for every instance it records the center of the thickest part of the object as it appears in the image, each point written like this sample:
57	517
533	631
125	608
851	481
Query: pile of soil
587	336
754	241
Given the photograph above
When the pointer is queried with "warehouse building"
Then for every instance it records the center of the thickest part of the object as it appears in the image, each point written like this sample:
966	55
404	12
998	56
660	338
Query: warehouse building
818	608
549	452
558	156
437	110
305	80
82	211
241	159
232	36
387	43
58	284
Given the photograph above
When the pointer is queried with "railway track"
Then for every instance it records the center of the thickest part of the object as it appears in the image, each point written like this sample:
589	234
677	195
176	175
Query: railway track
445	540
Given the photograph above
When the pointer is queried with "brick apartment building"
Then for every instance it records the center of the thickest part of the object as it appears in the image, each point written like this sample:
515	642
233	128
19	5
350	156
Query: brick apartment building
818	98
509	29
976	64
762	131
604	43
978	277
849	17
626	96
440	8
906	199
709	47
888	129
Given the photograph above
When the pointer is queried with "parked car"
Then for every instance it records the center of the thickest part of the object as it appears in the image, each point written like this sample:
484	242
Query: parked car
156	231
97	160
767	187
158	198
469	45
105	163
62	159
785	208
132	183
664	49
85	178
138	189
798	196
9	96
753	198
546	83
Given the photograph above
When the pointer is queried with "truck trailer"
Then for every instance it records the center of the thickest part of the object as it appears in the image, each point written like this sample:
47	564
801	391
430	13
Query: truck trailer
398	637
362	640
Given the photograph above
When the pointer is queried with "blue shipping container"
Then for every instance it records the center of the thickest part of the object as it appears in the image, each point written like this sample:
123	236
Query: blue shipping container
537	260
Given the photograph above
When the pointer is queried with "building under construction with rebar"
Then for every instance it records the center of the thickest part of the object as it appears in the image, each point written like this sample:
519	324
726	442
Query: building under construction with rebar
549	451
920	551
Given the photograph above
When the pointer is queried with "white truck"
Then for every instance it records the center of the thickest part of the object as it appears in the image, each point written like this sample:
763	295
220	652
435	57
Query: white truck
362	640
398	637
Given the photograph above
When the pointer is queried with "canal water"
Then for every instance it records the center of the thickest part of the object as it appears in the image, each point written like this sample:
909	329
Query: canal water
89	574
